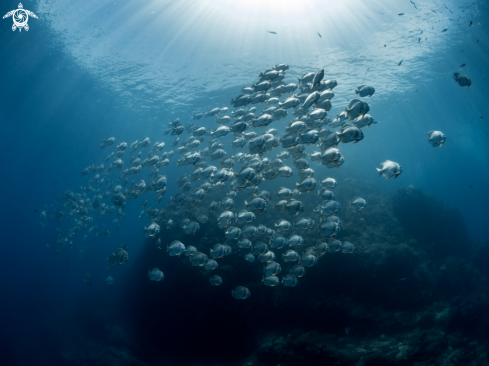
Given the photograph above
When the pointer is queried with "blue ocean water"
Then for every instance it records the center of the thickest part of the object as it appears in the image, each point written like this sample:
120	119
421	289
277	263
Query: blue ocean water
87	71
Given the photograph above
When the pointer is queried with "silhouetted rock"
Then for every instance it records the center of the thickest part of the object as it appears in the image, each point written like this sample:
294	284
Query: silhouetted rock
408	295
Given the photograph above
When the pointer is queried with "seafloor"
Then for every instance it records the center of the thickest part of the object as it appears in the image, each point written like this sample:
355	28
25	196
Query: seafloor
415	292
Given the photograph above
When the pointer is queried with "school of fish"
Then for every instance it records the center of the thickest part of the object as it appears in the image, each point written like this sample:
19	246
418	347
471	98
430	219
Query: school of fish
208	193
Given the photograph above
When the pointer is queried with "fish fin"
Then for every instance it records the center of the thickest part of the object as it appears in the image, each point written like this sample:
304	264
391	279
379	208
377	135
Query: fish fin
379	171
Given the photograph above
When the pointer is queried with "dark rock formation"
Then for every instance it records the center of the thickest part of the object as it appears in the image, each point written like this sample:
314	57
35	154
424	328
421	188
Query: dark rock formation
409	295
434	225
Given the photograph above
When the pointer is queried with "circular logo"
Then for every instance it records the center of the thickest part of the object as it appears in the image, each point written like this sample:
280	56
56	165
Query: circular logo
20	18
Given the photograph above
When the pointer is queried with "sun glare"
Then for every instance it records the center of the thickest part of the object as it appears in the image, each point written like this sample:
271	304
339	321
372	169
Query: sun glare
276	10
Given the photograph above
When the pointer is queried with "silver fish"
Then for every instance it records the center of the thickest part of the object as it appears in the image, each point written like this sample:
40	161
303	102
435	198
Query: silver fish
358	203
365	91
290	256
389	169
289	280
176	248
215	280
240	293
155	275
270	280
436	138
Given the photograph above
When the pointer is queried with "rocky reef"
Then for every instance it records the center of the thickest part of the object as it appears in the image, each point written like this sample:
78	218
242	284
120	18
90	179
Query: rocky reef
414	292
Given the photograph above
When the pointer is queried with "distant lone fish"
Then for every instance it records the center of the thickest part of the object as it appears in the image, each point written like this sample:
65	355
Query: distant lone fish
319	35
444	30
401	14
271	32
389	169
436	138
399	64
462	80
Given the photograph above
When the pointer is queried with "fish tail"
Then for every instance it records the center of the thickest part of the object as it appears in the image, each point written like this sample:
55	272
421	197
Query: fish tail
379	171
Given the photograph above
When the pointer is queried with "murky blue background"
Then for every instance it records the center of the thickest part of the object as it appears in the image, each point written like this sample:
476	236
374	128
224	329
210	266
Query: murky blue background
89	70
